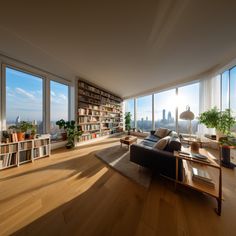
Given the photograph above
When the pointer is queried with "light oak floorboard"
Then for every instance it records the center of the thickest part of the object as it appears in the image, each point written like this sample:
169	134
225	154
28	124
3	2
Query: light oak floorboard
74	193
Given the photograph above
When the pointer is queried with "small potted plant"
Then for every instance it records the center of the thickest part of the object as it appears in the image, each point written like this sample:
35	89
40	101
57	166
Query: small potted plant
72	131
21	130
61	123
128	122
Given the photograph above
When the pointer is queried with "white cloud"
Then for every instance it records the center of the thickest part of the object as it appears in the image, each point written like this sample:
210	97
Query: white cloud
62	96
25	93
53	94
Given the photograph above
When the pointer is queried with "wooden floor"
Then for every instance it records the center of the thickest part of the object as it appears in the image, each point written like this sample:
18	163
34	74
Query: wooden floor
74	193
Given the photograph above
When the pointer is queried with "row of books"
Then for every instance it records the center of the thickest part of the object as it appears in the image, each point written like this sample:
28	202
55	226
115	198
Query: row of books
41	151
202	176
41	142
25	145
89	112
7	160
107	101
110	96
89	127
85	119
90	100
88	87
87	93
25	155
9	148
89	136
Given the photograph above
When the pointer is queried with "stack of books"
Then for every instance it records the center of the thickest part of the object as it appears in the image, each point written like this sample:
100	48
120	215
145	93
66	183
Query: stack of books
202	176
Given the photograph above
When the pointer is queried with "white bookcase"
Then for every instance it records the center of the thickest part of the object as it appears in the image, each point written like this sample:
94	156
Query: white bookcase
17	153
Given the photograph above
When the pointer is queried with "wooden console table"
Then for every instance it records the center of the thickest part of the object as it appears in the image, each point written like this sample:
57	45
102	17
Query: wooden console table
212	167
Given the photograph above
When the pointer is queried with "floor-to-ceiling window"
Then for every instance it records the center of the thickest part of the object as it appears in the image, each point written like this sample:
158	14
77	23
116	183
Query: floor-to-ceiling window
24	98
233	93
144	113
129	107
225	90
59	94
188	96
164	109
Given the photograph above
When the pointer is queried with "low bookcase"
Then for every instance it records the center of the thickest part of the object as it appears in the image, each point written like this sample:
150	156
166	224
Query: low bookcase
17	153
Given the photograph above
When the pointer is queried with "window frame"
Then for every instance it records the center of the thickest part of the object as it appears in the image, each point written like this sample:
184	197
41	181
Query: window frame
46	78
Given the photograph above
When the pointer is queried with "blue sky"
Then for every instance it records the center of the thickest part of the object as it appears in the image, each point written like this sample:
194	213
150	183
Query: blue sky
24	97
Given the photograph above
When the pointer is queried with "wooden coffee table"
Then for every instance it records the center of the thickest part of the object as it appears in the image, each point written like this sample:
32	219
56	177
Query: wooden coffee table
128	140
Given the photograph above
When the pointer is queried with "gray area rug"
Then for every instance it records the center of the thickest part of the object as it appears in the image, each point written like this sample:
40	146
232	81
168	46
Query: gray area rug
118	158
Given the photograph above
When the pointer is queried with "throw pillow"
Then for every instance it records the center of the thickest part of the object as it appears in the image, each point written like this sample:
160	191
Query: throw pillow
174	144
162	132
162	143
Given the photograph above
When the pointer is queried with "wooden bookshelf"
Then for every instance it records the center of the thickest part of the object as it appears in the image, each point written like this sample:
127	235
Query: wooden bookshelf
17	153
99	112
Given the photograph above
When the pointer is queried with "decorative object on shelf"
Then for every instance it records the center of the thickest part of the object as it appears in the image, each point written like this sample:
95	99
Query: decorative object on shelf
72	131
128	122
195	147
188	115
222	121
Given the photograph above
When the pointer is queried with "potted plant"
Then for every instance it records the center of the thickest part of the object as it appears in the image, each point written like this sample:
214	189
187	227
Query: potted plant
128	122
222	121
61	123
21	130
72	131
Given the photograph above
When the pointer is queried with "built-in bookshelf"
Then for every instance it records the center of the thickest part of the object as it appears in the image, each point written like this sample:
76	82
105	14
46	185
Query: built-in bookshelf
99	112
17	153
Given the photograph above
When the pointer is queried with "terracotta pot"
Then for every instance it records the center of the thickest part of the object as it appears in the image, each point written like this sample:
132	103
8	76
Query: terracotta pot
64	136
21	136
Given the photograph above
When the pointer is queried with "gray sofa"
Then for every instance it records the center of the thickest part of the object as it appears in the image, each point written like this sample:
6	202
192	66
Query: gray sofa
160	161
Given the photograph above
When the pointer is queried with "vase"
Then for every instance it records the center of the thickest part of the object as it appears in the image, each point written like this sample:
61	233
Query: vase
20	136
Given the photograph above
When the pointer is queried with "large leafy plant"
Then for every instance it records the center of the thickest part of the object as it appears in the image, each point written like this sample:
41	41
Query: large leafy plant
72	131
222	121
128	121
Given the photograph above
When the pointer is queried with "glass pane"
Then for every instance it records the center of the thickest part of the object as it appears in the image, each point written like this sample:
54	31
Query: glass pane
144	113
129	107
164	109
233	93
225	90
59	107
24	98
188	96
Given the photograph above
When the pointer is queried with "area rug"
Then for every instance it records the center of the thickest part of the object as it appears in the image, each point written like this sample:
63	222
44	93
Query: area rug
119	158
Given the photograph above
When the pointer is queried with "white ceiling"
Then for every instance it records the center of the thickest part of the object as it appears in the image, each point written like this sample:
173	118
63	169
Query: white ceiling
127	47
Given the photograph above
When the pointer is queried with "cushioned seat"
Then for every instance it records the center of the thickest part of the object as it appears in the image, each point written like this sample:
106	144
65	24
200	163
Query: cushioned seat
152	138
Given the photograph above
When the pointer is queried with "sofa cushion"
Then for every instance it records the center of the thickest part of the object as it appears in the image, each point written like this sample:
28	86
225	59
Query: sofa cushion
147	143
152	138
162	143
174	144
162	132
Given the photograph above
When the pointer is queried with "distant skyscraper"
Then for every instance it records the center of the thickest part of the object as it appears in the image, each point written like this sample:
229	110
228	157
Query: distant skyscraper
17	119
169	117
163	114
146	118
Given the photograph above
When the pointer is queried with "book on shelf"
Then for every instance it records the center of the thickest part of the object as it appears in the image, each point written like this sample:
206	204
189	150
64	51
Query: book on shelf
202	176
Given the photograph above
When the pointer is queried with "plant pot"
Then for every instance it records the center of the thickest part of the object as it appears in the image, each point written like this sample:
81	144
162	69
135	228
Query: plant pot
20	136
27	136
219	135
64	136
